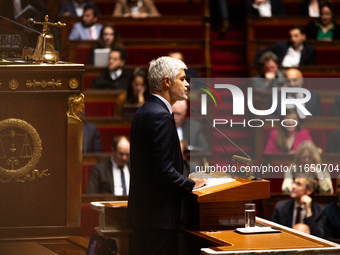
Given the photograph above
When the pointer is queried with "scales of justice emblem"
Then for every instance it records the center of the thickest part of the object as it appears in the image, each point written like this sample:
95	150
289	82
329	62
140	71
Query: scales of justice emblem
20	151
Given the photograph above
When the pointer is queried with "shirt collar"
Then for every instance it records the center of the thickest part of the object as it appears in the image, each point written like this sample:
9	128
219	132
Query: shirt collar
168	105
116	74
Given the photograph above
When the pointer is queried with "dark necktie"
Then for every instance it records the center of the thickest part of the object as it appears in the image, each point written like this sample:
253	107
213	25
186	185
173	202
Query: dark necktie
298	215
122	177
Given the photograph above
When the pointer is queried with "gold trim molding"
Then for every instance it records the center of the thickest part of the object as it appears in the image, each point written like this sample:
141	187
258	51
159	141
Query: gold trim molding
13	84
73	83
43	84
29	171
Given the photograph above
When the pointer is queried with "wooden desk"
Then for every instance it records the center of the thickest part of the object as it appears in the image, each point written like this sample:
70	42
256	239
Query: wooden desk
288	241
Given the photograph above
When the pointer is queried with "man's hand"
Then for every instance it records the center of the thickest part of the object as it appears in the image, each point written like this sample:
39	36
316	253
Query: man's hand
200	182
307	200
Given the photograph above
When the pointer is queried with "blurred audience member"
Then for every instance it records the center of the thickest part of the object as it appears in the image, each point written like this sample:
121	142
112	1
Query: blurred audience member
87	29
295	80
189	73
112	175
74	7
308	159
302	227
325	28
136	94
309	8
294	52
333	215
287	139
138	9
189	130
266	8
188	167
336	107
109	38
219	12
12	9
91	138
114	77
333	145
301	208
269	75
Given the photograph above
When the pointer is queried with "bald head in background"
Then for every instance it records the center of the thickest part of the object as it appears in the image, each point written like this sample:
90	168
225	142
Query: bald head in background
294	78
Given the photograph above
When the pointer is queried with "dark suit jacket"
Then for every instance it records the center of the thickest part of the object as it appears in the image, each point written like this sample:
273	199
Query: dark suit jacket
69	7
313	105
278	8
333	220
104	81
156	180
312	31
283	214
336	107
193	135
101	179
333	145
280	49
91	138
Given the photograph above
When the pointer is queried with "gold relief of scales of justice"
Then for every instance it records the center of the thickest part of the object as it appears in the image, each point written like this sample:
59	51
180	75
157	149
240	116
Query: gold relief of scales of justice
25	153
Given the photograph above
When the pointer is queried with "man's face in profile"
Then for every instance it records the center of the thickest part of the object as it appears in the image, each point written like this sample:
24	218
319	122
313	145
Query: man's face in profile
296	38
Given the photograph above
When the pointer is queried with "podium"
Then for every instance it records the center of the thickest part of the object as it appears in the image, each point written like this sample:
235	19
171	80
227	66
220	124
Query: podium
40	149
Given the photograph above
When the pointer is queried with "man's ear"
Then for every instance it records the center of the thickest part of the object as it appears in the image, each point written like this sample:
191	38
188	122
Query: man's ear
167	81
309	191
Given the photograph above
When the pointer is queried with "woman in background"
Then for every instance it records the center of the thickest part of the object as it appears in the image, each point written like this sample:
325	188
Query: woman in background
287	139
325	29
307	159
109	38
137	9
136	94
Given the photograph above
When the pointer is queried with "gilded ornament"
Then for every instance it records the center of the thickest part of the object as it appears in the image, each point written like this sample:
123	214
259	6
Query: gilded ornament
73	83
43	84
13	84
0	83
75	105
11	155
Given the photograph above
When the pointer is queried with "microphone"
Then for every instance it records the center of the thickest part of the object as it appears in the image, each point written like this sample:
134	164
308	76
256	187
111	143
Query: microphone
192	109
255	177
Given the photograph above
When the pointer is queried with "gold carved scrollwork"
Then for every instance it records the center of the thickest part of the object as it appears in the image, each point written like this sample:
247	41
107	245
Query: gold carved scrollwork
75	105
43	84
12	131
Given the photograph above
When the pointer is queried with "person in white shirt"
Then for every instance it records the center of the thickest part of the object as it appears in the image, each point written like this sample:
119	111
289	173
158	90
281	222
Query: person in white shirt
266	8
112	175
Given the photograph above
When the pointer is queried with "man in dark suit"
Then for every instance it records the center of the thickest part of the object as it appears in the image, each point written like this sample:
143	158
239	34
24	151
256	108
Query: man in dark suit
333	215
112	175
157	182
91	138
293	53
301	208
295	79
74	7
189	130
114	77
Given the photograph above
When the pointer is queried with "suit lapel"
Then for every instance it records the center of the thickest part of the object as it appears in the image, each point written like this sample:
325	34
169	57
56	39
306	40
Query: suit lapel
109	176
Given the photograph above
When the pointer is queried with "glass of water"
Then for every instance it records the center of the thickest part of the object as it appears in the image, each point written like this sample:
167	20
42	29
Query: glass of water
249	214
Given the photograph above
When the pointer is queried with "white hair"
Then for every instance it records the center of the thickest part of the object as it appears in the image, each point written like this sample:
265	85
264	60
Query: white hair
161	67
183	103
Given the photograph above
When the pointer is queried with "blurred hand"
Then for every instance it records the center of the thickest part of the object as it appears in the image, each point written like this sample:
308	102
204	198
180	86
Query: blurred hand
139	15
200	182
270	75
307	200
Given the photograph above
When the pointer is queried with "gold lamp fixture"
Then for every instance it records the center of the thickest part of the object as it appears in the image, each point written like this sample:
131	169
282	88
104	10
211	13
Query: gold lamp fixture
45	51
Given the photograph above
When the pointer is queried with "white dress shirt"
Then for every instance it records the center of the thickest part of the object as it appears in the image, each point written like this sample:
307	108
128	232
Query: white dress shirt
117	183
79	8
292	58
116	74
265	9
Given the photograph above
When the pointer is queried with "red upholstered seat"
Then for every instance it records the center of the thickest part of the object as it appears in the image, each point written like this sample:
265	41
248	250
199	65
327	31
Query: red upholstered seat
99	109
107	134
87	170
88	79
89	220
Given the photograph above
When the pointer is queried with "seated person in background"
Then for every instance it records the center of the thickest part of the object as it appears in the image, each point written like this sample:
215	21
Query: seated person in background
74	7
87	29
287	139
137	9
295	80
189	73
188	167
136	94
189	130
294	52
336	107
266	8
333	215
112	175
301	208
109	38
326	28
302	227
307	154
269	75
91	138
333	145
114	77
309	8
